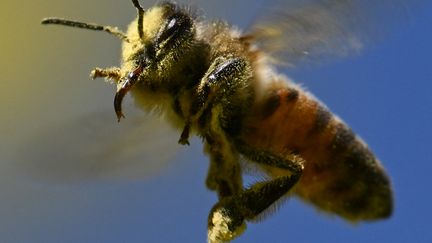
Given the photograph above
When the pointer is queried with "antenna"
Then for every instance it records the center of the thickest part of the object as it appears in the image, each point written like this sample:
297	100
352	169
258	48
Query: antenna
76	24
140	17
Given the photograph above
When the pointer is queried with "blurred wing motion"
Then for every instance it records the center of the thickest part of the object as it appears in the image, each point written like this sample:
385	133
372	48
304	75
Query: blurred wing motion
304	30
95	146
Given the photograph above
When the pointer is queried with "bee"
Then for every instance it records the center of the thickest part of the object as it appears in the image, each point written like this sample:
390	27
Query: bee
212	81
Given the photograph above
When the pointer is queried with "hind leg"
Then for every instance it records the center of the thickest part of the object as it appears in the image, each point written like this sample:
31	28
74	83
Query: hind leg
228	216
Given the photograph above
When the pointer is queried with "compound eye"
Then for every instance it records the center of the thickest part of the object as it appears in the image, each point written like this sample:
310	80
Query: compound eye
169	29
171	25
173	28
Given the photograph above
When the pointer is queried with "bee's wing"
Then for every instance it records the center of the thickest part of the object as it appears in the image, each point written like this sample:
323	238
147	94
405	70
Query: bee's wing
95	146
297	30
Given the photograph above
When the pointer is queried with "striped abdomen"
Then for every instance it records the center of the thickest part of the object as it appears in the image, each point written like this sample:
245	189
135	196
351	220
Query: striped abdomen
341	174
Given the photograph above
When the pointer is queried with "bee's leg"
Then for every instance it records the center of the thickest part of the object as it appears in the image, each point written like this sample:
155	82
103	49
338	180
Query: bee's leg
227	218
226	79
221	78
108	73
224	175
223	81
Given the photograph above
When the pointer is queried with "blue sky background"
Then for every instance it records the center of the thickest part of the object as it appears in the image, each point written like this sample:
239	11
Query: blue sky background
384	95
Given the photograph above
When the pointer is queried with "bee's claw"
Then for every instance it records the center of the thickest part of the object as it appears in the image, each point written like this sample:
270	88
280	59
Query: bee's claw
184	137
183	141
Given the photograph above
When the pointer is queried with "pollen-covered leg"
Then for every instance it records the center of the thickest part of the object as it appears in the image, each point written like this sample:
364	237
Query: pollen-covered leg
112	73
224	175
227	218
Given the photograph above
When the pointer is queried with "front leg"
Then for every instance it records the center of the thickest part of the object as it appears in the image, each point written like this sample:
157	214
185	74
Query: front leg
112	73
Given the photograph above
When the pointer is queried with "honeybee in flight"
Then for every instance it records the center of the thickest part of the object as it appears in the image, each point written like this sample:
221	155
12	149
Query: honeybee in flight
211	80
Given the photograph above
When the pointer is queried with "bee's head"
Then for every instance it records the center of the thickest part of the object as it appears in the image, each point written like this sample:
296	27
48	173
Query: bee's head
154	46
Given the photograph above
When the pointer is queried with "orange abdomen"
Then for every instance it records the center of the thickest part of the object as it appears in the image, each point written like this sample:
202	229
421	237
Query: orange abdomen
341	175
